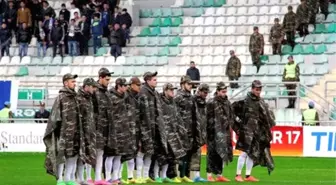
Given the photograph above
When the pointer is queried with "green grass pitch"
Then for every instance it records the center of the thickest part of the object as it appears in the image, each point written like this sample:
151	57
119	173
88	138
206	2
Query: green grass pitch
27	169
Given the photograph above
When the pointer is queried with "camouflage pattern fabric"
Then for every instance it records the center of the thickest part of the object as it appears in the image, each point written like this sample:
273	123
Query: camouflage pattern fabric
195	161
256	48
123	124
254	129
199	120
63	137
105	131
233	67
312	10
324	4
289	22
302	15
220	119
276	36
152	128
86	110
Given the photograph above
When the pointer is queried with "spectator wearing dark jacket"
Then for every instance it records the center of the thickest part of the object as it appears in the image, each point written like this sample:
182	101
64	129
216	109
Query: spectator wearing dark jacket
86	11
193	72
116	16
10	16
116	40
41	37
84	36
105	20
56	37
97	33
5	39
48	24
125	18
47	10
36	13
24	37
65	13
65	24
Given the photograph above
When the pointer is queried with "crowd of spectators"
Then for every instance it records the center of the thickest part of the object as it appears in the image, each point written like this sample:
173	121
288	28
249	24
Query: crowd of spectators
72	29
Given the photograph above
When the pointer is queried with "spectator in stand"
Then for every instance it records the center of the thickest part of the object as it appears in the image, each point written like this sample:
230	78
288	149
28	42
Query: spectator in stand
116	39
106	19
56	38
233	69
302	21
65	13
256	47
84	36
96	11
324	4
48	23
73	9
126	35
42	114
24	37
65	24
288	25
3	7
97	33
193	72
23	15
113	3
116	16
5	39
48	10
72	39
126	23
11	16
41	37
291	74
77	18
310	116
86	10
36	11
276	36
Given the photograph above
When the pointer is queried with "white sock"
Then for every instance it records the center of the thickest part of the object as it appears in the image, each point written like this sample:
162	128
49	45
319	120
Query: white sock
80	171
70	163
88	172
60	169
196	174
99	165
241	162
130	168
116	167
139	164
164	170
209	174
249	165
74	169
156	170
108	167
120	171
147	163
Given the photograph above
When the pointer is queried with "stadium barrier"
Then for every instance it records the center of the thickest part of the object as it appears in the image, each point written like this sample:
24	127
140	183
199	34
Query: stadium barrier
307	141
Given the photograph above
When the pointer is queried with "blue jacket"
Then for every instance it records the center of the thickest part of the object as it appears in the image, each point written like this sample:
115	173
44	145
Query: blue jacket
97	29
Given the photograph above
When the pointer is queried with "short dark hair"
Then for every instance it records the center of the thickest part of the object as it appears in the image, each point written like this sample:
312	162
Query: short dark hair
192	62
96	15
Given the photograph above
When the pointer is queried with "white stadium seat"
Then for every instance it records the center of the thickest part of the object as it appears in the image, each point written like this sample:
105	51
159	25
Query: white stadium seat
198	31
198	21
263	10
219	50
231	11
242	10
219	21
209	30
241	20
209	21
210	11
220	12
252	10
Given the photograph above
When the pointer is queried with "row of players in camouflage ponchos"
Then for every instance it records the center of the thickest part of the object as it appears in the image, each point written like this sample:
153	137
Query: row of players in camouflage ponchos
135	124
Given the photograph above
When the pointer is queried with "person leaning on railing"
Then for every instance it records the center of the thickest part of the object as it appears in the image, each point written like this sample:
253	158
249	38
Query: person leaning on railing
310	116
6	113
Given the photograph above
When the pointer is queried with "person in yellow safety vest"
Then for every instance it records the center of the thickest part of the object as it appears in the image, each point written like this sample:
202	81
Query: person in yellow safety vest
310	116
291	74
6	113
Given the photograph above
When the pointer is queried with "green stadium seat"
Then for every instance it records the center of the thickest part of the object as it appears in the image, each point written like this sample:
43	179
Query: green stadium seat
164	41
331	18
198	12
155	31
331	39
187	3
165	31
156	22
176	31
174	51
198	3
320	38
332	28
143	41
322	48
105	42
320	28
332	8
167	12
177	22
302	91
286	50
101	52
209	3
309	39
177	12
167	22
298	49
175	41
23	71
219	3
145	13
163	52
145	32
264	59
157	13
310	49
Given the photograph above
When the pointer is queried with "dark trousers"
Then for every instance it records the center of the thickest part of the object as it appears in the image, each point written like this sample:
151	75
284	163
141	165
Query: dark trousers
291	90
83	45
214	162
276	47
233	78
290	35
324	7
106	31
97	43
303	29
5	49
59	46
115	50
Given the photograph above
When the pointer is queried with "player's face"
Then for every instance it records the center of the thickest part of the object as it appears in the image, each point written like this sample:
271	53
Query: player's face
222	92
187	86
71	84
204	94
91	89
152	82
123	88
256	91
106	81
170	93
136	87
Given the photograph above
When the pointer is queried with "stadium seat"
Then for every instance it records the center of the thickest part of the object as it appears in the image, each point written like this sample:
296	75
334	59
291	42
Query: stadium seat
145	32
153	41
209	30
331	18
241	20
263	2
332	28
157	12
197	12
286	49
310	49
220	12
167	22
177	22
298	49
274	10
209	12
207	51
163	52
177	12
253	10
155	31
209	21
15	60
198	31
178	3
156	22
263	10
89	60
320	28
331	38
143	41
198	21
188	21
208	41
299	58
99	60
23	71
5	60
219	3
231	11
332	8
110	60
101	51
242	10
57	60
230	20
321	38
151	60
167	12
209	3
174	51
320	49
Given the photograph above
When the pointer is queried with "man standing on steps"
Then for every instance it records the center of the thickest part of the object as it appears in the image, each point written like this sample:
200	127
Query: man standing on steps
256	47
288	25
291	74
233	69
310	116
